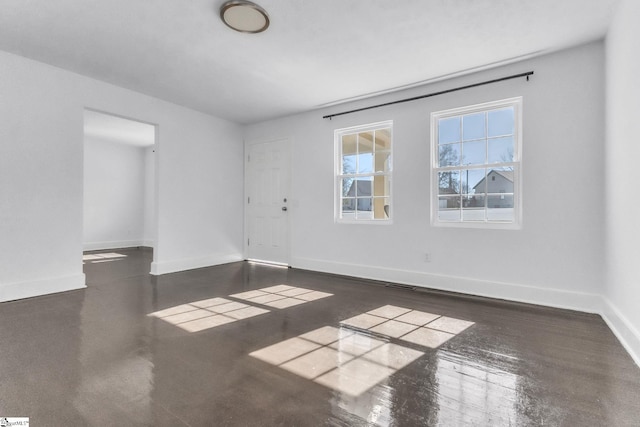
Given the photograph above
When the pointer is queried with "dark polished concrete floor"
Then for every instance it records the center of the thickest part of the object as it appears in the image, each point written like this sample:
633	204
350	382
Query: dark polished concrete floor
112	354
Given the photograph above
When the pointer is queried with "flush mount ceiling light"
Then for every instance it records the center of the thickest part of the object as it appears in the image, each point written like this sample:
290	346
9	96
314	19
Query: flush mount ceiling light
244	16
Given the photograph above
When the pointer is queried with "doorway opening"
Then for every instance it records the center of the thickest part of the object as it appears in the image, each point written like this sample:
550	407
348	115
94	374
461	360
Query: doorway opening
119	187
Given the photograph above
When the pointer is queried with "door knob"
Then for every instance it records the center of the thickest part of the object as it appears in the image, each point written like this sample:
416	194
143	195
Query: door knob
284	208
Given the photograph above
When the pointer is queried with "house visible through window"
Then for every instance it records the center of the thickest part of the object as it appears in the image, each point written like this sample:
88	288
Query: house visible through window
363	173
476	165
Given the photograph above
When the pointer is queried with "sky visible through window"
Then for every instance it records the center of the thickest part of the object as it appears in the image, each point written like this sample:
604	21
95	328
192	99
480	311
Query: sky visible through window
483	138
476	164
365	164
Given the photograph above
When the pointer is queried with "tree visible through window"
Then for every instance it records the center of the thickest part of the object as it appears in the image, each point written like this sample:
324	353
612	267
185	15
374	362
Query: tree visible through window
476	164
363	172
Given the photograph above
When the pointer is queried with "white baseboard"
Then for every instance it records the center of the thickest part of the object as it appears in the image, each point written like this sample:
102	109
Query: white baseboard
622	328
34	288
590	303
173	266
118	244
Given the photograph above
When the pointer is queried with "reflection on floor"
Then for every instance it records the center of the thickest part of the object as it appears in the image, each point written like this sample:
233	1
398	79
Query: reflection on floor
494	391
351	360
94	357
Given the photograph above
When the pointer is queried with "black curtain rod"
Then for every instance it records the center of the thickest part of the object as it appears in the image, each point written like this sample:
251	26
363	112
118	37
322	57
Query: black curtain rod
515	76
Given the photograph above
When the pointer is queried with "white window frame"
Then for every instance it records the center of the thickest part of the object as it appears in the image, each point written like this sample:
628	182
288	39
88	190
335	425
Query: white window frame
338	175
516	164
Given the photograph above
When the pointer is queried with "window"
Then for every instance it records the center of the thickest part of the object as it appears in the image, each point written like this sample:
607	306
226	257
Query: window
363	173
476	165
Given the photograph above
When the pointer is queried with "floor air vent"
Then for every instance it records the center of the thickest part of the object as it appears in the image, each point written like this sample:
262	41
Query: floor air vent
399	286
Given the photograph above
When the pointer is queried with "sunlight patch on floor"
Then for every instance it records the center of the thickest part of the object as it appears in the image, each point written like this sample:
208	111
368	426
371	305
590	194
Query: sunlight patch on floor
200	315
358	355
417	327
102	257
281	296
206	314
338	358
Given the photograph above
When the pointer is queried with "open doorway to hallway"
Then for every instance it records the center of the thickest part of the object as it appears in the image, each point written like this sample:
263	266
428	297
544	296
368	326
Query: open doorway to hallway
119	186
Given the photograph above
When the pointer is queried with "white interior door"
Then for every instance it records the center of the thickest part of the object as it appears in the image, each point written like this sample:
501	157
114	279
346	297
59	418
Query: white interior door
268	201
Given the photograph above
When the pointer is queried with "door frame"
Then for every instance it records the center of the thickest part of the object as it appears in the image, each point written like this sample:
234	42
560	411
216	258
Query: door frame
291	200
156	174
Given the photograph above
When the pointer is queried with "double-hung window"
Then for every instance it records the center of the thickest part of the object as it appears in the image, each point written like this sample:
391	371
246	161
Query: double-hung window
363	173
476	164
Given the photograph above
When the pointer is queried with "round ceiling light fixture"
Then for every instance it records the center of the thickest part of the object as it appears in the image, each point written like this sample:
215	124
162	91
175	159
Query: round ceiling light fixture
244	16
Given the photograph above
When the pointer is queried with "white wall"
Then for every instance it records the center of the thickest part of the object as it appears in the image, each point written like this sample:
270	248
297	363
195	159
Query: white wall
114	194
555	259
149	232
623	152
199	186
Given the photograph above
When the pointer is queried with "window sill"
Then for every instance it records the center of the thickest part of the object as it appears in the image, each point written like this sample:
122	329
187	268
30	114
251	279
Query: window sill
365	221
479	225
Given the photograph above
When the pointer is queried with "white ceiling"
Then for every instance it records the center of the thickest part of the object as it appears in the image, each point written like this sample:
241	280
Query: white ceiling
119	130
315	52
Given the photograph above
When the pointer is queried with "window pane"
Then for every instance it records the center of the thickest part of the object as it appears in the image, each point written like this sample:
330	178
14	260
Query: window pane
477	214
348	188
449	155
362	187
473	181
473	126
500	208
383	139
349	164
501	150
473	207
365	163
365	142
500	201
380	186
474	201
474	153
449	182
383	161
365	152
501	122
364	208
500	180
349	144
448	130
381	208
364	203
349	208
449	208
